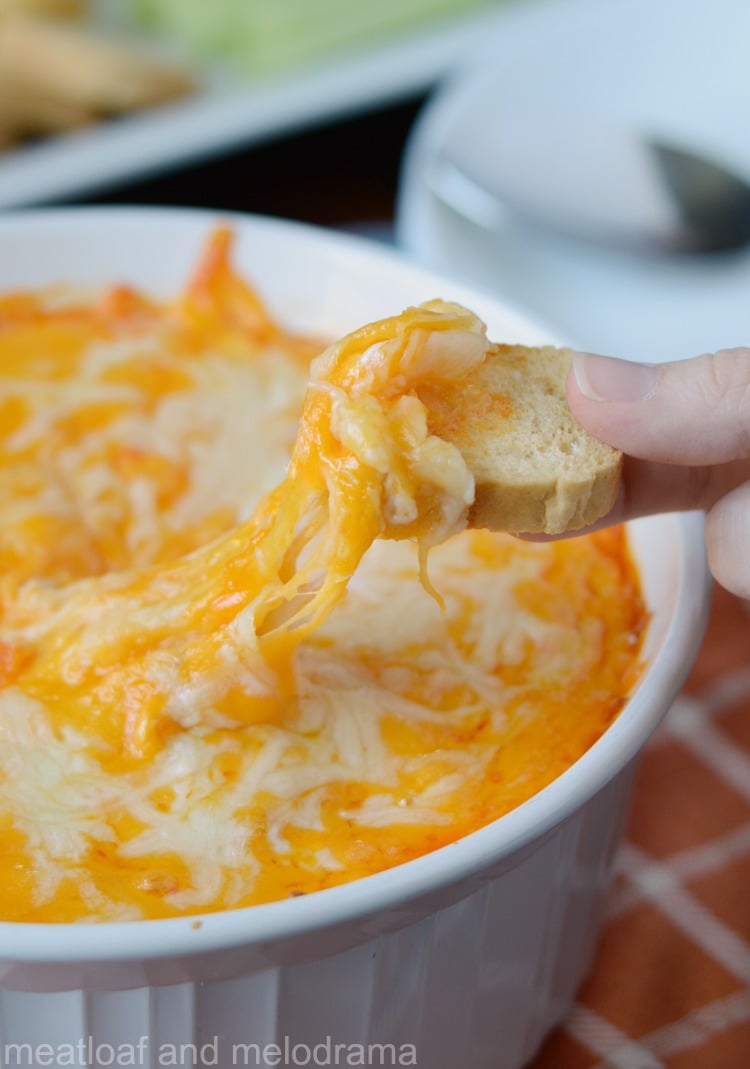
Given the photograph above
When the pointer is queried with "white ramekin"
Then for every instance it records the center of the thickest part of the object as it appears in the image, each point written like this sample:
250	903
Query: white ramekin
466	956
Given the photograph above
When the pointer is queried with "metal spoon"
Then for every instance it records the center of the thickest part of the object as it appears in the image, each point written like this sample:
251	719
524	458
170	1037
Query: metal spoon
591	180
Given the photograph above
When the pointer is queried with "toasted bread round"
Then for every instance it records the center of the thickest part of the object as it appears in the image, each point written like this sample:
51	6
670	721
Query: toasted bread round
536	470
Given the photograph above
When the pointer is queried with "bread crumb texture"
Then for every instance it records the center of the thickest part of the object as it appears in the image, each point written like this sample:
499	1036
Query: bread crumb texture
536	469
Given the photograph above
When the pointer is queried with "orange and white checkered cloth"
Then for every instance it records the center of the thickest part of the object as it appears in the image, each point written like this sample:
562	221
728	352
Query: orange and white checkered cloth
671	983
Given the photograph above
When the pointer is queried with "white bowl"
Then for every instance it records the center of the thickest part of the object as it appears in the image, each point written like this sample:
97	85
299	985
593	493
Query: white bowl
466	956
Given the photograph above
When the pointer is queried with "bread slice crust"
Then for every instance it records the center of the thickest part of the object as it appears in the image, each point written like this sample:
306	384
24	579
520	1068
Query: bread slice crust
536	470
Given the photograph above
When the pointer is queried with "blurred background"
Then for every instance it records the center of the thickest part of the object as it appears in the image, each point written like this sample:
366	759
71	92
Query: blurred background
586	160
344	113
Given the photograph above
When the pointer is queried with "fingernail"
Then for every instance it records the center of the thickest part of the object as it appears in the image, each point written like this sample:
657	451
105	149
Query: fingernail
603	378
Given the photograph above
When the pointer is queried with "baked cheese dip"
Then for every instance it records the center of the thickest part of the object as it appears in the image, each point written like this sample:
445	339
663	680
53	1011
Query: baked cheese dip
248	649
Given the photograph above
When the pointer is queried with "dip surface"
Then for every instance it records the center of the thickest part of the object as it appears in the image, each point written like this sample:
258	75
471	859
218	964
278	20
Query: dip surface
155	758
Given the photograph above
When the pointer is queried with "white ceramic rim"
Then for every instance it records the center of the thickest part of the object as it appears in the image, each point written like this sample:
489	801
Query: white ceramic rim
659	685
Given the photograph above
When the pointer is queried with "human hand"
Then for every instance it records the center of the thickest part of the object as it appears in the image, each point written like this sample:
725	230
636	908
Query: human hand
684	428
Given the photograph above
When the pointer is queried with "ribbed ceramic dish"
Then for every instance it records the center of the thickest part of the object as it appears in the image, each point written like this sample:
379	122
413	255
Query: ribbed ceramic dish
465	957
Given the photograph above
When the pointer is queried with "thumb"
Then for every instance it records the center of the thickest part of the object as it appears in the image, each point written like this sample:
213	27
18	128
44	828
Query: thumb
691	412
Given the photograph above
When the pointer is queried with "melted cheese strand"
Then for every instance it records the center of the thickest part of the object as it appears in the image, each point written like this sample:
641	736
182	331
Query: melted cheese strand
363	466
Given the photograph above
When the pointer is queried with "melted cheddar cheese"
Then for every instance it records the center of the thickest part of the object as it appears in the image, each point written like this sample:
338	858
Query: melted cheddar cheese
225	675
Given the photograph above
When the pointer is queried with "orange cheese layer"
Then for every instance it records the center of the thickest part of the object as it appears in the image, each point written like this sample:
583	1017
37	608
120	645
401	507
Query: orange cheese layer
219	684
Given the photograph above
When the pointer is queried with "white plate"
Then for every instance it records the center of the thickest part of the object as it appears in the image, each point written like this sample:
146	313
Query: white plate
673	67
230	111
